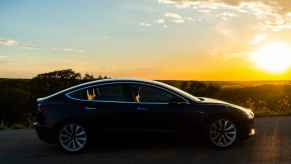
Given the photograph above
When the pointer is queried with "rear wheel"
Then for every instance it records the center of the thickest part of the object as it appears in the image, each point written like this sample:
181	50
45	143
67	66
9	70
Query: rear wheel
223	133
73	137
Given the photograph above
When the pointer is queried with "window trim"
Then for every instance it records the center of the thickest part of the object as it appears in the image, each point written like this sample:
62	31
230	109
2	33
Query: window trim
125	82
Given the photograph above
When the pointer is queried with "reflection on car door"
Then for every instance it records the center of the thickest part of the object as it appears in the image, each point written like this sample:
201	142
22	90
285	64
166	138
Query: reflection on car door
157	109
113	104
109	104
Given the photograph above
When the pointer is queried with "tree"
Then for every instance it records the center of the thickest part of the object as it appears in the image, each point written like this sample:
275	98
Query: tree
88	77
67	74
14	105
51	82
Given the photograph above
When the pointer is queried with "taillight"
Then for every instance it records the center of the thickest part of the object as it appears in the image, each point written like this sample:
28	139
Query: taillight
41	108
38	107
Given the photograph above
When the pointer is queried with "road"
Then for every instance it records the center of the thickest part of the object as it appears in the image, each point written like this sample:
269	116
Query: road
272	144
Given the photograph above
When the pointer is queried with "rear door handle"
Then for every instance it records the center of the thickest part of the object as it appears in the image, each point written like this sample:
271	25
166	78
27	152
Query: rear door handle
141	109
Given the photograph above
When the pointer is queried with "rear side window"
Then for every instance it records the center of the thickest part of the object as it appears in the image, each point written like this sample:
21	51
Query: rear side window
107	92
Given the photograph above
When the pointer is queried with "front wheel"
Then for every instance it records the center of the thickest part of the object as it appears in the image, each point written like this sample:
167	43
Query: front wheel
223	133
73	137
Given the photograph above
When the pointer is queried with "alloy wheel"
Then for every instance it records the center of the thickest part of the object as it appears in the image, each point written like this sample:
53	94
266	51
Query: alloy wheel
222	133
73	137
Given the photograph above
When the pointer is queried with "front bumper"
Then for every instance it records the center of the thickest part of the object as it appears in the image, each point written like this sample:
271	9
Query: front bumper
252	132
248	128
44	133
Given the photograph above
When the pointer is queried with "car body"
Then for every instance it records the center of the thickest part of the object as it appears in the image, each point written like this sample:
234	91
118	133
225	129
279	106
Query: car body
131	104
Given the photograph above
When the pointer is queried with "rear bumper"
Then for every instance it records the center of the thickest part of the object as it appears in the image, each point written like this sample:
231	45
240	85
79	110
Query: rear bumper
44	133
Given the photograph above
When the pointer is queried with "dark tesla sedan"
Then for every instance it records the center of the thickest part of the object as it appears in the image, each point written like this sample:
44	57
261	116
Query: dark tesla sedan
71	117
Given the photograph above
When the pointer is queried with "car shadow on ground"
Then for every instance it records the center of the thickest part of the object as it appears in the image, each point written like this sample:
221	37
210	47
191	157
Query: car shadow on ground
116	142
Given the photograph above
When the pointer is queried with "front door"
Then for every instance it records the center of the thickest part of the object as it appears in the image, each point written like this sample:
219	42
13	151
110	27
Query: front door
156	108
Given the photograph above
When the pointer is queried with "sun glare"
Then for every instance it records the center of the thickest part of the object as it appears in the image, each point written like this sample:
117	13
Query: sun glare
274	57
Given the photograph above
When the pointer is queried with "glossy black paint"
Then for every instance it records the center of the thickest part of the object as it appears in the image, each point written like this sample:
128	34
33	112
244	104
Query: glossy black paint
188	115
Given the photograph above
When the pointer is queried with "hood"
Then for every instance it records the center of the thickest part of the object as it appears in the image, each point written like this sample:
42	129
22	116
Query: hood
215	101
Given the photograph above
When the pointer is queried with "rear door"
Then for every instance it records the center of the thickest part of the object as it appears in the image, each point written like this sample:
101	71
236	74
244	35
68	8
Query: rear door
108	104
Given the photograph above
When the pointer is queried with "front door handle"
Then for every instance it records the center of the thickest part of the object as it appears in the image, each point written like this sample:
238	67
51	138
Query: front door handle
141	109
89	108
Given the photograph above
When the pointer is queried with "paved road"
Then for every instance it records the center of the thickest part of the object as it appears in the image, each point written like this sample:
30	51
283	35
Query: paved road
272	144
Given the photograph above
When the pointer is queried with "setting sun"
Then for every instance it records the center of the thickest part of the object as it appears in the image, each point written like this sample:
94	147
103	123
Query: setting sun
274	57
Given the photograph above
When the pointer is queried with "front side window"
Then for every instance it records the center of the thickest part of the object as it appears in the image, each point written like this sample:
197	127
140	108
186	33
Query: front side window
107	92
144	93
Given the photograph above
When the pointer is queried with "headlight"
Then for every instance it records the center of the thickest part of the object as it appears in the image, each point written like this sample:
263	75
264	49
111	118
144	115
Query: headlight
251	114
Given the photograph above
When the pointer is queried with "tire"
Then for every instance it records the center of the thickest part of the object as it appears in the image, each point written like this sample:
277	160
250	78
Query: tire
223	133
72	137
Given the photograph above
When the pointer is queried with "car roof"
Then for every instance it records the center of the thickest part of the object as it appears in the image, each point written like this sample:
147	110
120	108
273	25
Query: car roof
115	80
90	83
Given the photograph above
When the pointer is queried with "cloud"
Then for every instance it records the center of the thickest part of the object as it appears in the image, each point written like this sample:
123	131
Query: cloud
8	42
143	24
178	20
160	21
259	38
272	15
283	6
29	46
68	50
167	1
174	17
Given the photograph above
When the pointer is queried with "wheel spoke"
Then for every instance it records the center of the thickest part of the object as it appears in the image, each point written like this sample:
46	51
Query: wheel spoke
224	141
225	124
229	128
74	144
77	128
82	138
219	140
78	143
228	137
216	136
65	135
80	133
70	144
230	133
220	123
66	130
67	140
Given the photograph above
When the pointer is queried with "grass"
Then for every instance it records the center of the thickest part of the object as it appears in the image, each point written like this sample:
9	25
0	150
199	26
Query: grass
4	126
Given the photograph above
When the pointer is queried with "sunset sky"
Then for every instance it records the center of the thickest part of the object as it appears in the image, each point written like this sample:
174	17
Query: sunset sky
151	39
